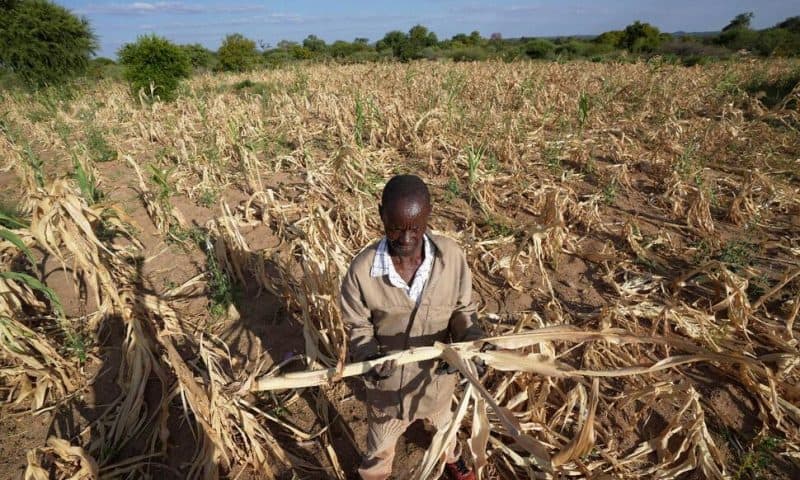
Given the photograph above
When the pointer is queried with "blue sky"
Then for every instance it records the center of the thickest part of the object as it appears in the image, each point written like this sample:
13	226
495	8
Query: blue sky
208	21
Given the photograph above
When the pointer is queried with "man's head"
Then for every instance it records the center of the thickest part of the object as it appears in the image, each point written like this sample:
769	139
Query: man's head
405	209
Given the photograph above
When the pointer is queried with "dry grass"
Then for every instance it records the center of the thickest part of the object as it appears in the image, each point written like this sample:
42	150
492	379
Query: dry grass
672	191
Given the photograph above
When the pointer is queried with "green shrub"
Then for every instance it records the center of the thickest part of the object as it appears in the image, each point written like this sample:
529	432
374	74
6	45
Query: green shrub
237	54
365	56
301	53
774	91
199	56
101	67
155	65
539	48
42	43
640	37
277	58
470	54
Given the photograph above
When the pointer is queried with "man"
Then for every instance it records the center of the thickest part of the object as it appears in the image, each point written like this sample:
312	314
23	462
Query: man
410	289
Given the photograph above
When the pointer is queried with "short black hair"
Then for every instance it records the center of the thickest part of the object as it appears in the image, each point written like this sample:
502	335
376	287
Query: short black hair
405	186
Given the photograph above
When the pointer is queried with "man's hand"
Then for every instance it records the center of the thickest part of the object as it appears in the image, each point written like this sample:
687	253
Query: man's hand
480	365
381	371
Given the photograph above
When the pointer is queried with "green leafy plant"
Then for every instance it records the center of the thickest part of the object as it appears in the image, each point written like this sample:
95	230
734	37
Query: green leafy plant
208	198
474	159
756	460
43	43
237	54
610	192
98	147
453	190
11	218
36	164
161	178
87	182
583	108
737	254
154	65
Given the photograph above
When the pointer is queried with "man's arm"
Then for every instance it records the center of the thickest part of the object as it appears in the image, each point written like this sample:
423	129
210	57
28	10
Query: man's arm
356	318
464	320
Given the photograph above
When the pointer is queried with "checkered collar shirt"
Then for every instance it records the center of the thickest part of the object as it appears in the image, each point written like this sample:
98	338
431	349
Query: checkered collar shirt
383	266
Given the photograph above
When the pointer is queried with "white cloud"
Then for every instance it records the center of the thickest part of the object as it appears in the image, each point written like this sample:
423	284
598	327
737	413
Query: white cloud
178	8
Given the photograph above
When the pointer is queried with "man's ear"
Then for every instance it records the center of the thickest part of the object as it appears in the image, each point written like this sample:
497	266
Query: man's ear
380	210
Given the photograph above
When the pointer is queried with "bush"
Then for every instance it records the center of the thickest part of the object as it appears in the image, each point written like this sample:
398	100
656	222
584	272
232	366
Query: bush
237	54
640	37
277	58
365	56
154	62
199	56
692	52
773	91
571	49
43	43
612	38
471	54
102	67
778	42
539	48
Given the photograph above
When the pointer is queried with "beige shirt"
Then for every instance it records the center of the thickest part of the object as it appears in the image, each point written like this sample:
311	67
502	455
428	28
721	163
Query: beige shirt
382	319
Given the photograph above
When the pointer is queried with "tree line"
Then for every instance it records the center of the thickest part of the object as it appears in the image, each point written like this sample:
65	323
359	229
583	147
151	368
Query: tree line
42	43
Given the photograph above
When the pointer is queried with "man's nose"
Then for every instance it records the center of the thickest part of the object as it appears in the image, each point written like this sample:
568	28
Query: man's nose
407	236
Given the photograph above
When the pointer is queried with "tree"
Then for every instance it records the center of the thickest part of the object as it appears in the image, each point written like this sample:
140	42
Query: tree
394	41
154	64
475	38
198	55
237	54
419	38
286	45
44	43
613	38
539	48
315	45
792	24
640	37
741	21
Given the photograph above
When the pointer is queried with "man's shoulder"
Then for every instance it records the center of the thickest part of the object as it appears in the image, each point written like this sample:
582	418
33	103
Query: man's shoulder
447	246
364	259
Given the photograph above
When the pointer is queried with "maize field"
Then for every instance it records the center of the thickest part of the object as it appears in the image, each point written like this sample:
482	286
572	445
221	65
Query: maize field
169	272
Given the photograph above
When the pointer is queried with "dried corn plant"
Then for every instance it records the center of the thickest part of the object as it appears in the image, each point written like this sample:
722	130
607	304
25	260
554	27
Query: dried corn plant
644	213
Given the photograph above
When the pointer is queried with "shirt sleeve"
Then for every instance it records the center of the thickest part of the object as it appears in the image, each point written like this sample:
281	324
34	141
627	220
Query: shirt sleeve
356	317
464	320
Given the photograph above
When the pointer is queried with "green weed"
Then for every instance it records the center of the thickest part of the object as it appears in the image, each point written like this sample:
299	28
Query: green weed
98	147
160	178
208	198
36	164
454	84
474	159
498	226
703	252
583	109
222	292
453	190
756	460
552	158
87	182
610	192
737	254
11	218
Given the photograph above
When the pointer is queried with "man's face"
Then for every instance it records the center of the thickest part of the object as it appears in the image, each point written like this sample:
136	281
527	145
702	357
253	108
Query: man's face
404	222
